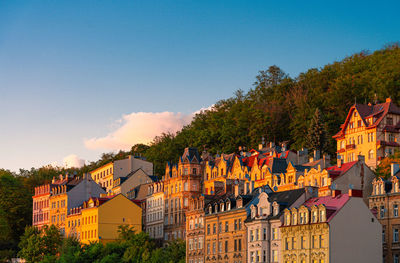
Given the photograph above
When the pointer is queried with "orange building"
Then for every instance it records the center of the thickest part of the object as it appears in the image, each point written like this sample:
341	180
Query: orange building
181	182
41	206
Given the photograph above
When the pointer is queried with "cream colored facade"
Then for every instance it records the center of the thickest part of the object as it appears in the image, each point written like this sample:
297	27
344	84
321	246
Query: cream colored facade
335	229
155	211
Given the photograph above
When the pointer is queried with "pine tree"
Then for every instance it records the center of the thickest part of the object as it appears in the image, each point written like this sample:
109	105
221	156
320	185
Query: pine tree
317	136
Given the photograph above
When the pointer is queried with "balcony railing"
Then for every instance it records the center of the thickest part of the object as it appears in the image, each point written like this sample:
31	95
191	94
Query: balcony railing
350	146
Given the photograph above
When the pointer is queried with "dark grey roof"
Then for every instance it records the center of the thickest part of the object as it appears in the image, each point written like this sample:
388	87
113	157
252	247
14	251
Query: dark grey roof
190	153
278	165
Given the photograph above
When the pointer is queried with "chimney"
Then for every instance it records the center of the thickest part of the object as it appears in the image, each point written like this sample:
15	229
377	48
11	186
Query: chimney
355	193
284	147
317	155
236	187
339	162
327	160
260	146
394	168
388	99
336	193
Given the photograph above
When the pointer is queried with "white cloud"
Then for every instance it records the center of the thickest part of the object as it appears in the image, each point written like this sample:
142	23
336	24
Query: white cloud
139	127
73	160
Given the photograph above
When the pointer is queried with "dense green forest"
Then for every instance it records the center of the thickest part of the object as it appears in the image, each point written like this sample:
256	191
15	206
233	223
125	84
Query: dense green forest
277	107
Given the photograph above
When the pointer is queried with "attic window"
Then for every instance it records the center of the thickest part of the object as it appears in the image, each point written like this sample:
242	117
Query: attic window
355	114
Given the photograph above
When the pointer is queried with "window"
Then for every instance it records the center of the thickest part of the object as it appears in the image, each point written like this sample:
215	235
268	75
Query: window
208	248
240	224
395	235
396	258
371	154
240	245
214	248
293	243
264	234
286	243
389	121
214	228
220	246
220	227
235	225
226	246
359	123
274	233
321	241
302	242
395	210
274	255
208	229
235	245
226	226
251	235
382	212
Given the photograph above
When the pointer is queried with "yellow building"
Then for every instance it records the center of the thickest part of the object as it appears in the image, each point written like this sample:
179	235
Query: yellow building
69	192
102	216
73	225
371	131
216	172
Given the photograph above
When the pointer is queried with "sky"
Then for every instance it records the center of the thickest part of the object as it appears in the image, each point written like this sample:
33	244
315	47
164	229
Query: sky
79	78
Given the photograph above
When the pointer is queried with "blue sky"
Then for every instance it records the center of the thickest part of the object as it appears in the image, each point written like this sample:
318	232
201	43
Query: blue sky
74	75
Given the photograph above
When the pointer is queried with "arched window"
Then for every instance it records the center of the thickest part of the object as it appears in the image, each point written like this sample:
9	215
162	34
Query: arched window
371	154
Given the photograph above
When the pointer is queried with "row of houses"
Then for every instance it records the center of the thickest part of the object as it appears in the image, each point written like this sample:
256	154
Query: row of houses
270	204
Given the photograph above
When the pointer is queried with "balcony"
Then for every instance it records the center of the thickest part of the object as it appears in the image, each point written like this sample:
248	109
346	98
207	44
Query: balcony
350	146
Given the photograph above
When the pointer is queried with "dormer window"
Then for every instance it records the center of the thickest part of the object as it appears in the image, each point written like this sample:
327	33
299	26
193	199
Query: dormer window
276	208
253	211
222	207
228	206
210	209
294	219
322	215
287	219
216	208
314	216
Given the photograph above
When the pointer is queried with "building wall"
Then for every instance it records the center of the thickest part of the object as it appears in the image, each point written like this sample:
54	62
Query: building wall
138	178
83	191
115	212
355	234
384	205
58	210
226	239
73	225
89	225
41	206
155	215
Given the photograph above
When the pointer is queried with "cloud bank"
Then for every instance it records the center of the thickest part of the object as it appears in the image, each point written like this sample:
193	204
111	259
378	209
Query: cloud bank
139	127
73	160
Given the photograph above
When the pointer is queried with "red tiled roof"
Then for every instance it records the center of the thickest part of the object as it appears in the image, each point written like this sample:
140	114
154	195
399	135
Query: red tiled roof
337	171
332	204
379	111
